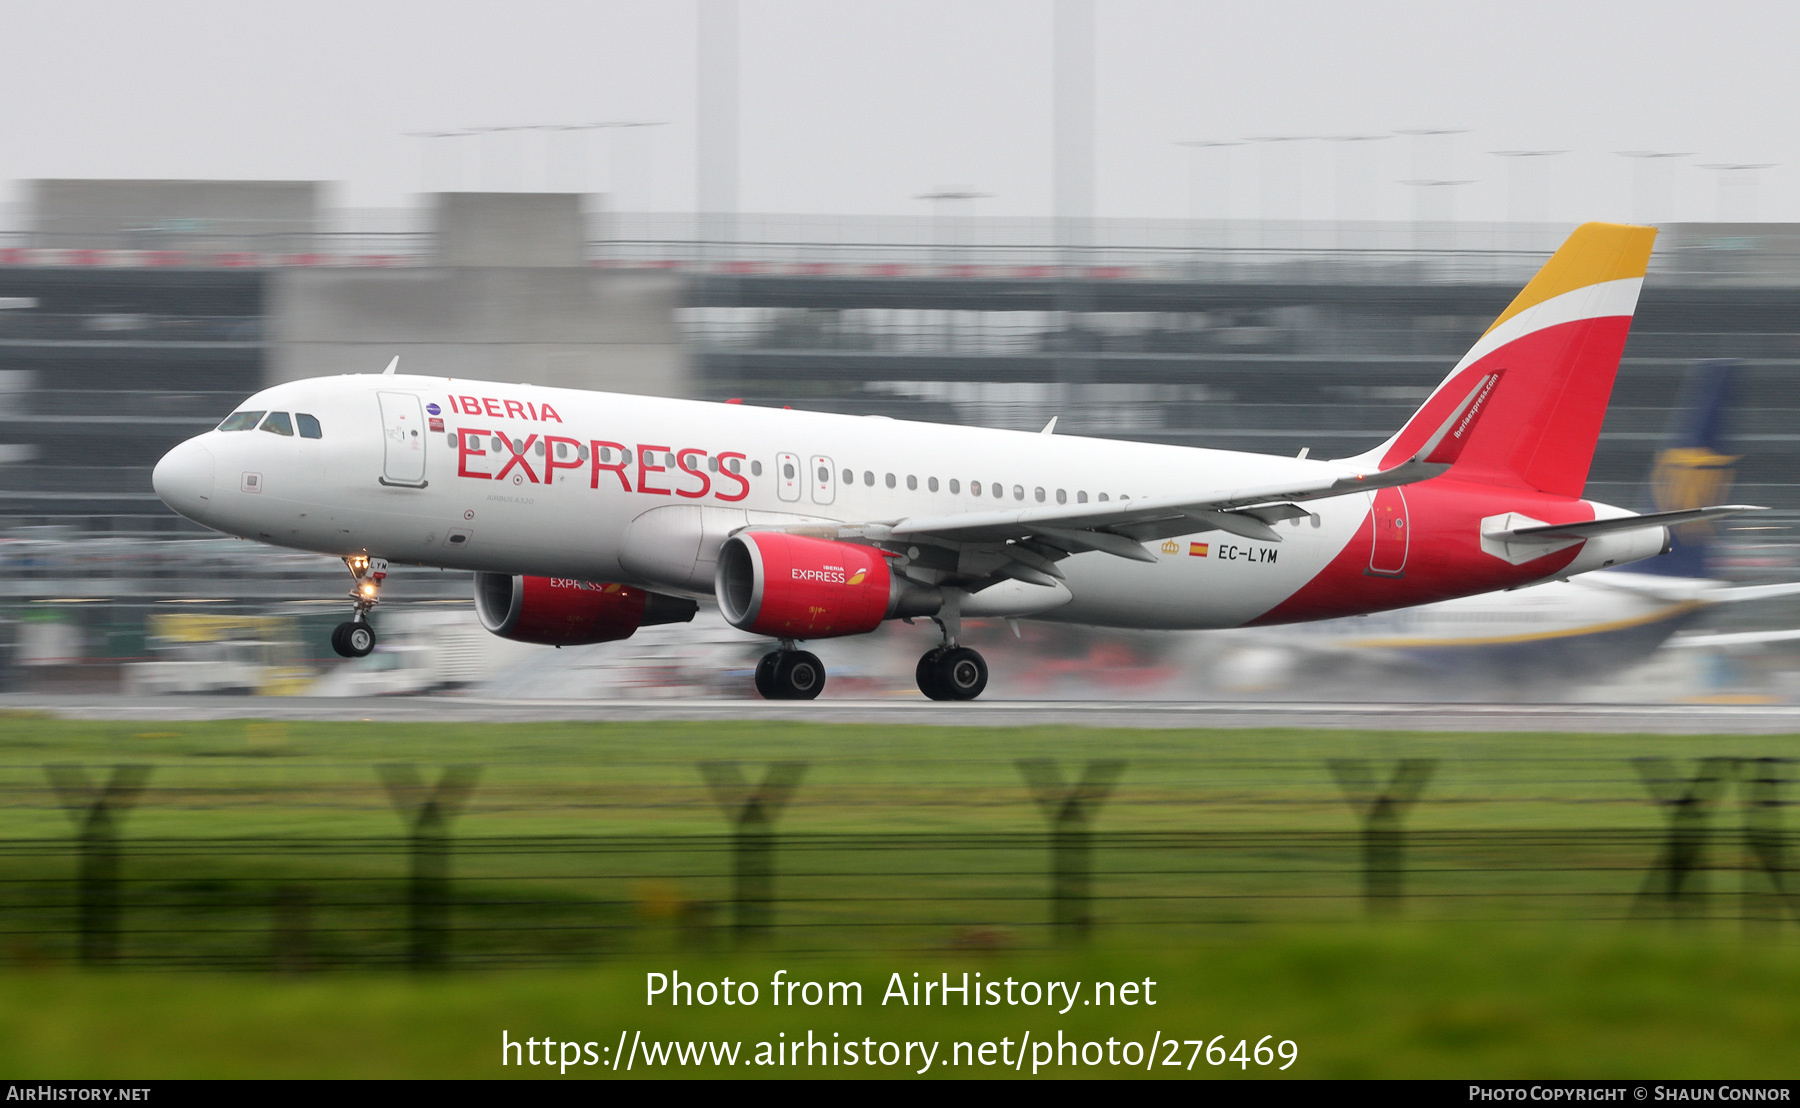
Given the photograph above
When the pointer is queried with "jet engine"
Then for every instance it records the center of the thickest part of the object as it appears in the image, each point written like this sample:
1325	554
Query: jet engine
561	611
795	587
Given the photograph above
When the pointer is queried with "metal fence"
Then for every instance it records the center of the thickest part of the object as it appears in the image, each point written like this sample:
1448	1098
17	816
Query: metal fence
427	897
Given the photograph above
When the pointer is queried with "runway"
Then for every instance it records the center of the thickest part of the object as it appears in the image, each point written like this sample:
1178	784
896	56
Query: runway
1674	719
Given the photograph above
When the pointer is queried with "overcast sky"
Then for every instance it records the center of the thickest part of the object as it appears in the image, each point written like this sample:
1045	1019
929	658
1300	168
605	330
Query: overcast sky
854	107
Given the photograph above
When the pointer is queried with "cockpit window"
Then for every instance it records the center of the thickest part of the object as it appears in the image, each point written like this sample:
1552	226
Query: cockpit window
240	421
278	423
309	426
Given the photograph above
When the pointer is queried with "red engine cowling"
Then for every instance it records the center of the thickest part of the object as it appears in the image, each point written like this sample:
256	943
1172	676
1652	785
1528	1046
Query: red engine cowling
791	586
560	611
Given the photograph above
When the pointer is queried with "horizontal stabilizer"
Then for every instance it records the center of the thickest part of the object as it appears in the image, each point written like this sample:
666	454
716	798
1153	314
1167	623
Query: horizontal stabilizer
1726	639
1587	529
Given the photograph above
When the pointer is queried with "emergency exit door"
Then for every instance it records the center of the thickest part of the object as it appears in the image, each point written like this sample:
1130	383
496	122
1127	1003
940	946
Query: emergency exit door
1387	556
403	430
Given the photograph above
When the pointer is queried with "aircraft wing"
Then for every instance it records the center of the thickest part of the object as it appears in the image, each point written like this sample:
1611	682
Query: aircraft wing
1248	512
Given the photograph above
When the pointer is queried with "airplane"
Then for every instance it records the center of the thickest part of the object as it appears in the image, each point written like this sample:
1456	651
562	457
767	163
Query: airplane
587	515
1555	631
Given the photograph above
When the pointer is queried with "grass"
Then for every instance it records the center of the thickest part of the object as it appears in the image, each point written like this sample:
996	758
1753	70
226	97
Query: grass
1226	865
1359	1002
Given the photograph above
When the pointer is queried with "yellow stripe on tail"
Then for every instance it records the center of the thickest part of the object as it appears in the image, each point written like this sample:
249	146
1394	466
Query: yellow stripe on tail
1596	252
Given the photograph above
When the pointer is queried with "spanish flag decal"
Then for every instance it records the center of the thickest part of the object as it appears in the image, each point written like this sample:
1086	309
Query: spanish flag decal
857	577
1197	549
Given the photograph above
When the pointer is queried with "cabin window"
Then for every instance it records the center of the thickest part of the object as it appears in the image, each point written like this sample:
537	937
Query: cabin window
869	477
309	427
278	423
955	487
712	464
1019	492
974	488
787	471
1039	494
849	477
732	465
824	475
1081	498
606	453
540	450
755	468
625	456
931	484
241	421
581	453
669	459
1103	497
890	480
912	483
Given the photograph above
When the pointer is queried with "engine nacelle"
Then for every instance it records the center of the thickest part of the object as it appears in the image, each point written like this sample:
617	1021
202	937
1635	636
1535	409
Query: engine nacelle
560	611
790	586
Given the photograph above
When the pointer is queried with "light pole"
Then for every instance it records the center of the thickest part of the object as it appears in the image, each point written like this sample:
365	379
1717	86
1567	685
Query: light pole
1522	209
1516	202
1349	193
943	235
943	218
1434	201
1197	149
1739	178
425	148
1267	173
1641	183
1432	160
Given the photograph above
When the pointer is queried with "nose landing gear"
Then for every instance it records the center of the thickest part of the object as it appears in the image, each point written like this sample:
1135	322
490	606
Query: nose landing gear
354	638
790	674
951	672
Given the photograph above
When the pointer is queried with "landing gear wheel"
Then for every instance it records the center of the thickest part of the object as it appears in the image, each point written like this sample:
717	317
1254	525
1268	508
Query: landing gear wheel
956	673
927	674
765	675
353	639
792	675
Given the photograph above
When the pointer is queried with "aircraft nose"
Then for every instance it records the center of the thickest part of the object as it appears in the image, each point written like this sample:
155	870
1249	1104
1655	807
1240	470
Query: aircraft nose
184	478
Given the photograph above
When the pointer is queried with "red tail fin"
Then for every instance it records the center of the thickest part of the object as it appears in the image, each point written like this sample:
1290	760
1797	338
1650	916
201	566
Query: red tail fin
1558	346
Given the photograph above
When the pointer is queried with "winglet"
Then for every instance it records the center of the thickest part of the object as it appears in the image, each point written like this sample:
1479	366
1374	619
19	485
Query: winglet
392	366
1049	428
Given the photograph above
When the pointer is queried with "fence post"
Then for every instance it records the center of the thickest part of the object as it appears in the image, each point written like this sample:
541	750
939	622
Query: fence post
1761	781
1068	807
1383	840
428	811
97	874
752	812
1678	877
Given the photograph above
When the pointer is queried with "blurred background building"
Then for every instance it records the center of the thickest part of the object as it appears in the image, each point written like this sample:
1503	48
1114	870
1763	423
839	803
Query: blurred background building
134	314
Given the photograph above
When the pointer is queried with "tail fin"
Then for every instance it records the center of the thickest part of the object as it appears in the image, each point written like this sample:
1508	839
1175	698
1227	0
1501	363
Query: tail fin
1558	344
1691	469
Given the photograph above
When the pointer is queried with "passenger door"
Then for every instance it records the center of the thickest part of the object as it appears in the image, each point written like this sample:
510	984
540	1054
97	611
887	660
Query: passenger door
1387	555
403	436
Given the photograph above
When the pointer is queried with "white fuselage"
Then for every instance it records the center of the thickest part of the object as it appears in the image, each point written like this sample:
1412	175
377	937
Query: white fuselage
432	489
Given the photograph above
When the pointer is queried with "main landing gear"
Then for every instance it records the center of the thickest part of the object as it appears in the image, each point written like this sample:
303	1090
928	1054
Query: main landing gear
951	672
354	638
790	674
